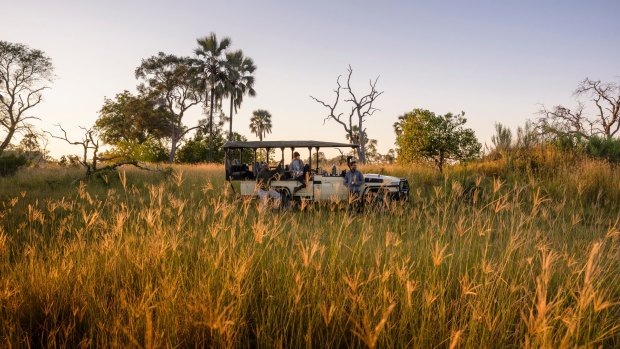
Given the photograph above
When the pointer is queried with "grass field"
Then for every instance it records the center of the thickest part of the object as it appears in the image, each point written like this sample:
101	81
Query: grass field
480	257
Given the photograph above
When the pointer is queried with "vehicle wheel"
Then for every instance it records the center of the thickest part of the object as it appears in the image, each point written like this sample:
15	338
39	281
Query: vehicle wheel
286	199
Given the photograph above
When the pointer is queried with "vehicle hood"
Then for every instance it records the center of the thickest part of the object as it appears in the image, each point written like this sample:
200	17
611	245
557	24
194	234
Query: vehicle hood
379	178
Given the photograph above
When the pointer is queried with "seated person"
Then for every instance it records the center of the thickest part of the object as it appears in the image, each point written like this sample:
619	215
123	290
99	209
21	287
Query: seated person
299	171
297	166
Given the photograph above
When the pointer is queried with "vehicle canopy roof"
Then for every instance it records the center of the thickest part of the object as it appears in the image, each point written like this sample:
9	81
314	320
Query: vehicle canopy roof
286	144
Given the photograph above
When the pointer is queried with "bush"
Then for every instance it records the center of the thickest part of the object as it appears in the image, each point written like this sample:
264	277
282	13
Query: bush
148	151
604	148
10	164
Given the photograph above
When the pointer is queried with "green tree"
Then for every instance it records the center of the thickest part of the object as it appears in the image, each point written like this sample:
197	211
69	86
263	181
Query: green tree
196	149
171	80
260	123
240	81
135	126
24	74
212	66
604	148
437	138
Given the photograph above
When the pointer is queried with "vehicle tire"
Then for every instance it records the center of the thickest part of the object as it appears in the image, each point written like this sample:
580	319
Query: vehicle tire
286	199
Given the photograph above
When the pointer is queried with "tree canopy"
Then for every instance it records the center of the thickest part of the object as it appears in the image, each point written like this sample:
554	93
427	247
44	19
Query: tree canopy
260	123
441	139
24	74
172	81
211	65
129	118
135	126
239	82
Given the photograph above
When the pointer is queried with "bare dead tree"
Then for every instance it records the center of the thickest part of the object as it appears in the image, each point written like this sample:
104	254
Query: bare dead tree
90	159
563	121
606	97
90	147
605	122
361	107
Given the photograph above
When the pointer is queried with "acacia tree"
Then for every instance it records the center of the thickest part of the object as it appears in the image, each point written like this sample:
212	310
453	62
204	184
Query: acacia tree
422	135
578	122
24	75
361	108
239	81
172	81
212	69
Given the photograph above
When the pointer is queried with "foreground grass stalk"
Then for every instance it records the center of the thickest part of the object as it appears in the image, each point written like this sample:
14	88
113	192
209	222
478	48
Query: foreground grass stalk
151	261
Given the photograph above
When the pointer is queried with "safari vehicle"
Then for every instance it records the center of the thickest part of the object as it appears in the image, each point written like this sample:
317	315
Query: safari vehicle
320	185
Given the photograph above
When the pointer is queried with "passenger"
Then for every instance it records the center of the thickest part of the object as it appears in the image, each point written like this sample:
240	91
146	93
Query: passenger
297	166
354	180
299	171
265	192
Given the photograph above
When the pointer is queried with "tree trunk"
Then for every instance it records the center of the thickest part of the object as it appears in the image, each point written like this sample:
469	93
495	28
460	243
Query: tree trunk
362	141
211	124
173	141
440	162
7	140
173	150
230	133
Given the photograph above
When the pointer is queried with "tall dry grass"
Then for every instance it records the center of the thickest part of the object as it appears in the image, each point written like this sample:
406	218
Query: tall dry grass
143	260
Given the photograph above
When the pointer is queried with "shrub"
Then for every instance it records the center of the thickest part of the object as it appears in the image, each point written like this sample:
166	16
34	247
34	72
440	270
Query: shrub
604	148
10	164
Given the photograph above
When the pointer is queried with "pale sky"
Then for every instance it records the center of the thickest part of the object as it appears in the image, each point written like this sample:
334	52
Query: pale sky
495	60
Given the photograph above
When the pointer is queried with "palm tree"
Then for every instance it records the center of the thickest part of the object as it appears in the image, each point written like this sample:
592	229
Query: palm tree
260	123
210	53
239	81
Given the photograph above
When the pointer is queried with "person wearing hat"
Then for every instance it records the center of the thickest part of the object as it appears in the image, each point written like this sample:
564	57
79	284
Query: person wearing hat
354	180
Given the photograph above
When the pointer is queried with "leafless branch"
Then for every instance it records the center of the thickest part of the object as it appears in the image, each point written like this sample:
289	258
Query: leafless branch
360	108
332	108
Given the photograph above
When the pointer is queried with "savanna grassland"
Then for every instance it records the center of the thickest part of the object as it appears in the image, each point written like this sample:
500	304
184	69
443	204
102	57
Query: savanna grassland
482	256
